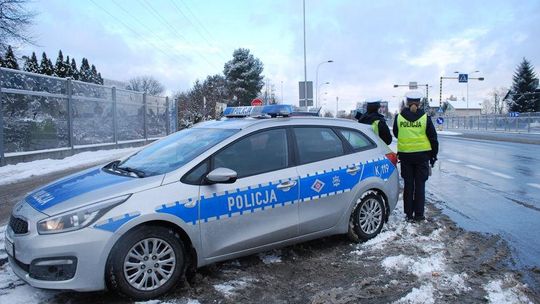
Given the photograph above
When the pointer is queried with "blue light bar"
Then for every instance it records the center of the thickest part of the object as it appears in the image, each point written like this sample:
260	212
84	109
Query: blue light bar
268	110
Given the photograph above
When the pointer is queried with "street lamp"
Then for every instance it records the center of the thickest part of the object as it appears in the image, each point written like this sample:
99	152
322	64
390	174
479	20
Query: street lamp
317	80
319	88
479	78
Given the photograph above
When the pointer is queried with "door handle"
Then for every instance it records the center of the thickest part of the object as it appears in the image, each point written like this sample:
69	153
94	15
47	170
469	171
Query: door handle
353	170
286	186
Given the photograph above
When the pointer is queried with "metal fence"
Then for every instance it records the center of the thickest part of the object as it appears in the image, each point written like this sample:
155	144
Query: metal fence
42	113
525	123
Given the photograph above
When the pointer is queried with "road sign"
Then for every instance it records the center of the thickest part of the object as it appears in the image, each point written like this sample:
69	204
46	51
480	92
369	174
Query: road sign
302	100
463	78
440	110
440	120
513	114
256	102
413	85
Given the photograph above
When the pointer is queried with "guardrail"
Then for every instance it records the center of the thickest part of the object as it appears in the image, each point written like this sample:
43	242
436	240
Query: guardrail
525	123
40	113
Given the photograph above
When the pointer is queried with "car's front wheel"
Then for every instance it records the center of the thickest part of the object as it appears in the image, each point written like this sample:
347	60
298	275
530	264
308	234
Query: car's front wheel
146	262
367	218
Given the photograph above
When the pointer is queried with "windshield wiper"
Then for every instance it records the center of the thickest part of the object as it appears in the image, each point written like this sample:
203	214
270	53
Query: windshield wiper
137	172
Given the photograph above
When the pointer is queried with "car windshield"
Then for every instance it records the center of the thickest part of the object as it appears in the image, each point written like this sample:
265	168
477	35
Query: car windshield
174	151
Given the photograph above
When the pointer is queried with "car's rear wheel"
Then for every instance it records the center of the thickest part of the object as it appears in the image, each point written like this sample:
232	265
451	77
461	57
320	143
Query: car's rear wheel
146	262
367	218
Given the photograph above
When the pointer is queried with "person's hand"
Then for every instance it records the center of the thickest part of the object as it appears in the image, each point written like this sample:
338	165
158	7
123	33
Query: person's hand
432	161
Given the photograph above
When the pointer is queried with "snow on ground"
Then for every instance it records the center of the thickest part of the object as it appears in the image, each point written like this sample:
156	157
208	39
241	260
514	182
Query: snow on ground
13	173
448	133
229	288
270	257
429	264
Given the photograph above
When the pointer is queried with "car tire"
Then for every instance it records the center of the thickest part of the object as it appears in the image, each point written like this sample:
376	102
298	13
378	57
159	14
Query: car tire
143	274
367	218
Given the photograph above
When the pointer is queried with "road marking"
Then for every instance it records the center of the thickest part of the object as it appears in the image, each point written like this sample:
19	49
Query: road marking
475	167
534	185
501	175
454	161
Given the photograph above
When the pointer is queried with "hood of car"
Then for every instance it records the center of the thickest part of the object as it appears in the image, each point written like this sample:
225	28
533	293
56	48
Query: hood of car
84	188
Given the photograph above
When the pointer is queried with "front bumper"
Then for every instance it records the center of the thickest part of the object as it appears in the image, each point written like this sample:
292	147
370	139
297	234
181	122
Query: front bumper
86	247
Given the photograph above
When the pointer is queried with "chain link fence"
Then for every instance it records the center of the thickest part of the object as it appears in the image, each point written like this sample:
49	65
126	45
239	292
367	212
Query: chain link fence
41	113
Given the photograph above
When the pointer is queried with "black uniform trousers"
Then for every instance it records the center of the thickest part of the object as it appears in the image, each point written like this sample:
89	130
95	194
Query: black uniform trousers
415	174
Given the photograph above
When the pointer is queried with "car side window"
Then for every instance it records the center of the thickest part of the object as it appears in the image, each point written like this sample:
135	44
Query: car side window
255	154
195	176
316	144
357	140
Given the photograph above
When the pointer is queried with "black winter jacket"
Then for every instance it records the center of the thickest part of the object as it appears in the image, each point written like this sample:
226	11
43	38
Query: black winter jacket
384	131
430	132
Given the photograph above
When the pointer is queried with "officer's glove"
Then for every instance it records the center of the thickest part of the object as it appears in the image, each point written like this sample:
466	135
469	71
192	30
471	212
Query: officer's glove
432	161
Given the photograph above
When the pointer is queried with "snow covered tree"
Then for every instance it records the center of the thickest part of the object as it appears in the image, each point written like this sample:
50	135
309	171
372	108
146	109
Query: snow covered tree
46	67
147	84
243	75
99	79
93	75
31	65
10	61
85	74
60	68
69	72
523	89
1	61
74	70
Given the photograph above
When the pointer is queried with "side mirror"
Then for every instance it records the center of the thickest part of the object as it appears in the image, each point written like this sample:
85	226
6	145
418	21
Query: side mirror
222	176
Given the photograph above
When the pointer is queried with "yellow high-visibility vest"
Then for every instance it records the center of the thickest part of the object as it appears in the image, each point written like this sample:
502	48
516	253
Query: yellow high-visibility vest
412	135
375	127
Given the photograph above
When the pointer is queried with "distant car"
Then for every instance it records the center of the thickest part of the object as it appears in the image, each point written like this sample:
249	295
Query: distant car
219	190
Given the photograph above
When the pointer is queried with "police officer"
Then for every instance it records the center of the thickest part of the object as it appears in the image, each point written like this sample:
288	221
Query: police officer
417	149
376	120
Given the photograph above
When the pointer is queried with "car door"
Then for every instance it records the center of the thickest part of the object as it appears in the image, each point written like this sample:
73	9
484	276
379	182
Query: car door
260	207
329	169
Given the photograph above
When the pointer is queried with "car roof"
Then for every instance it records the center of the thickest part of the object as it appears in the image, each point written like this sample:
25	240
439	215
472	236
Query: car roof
245	123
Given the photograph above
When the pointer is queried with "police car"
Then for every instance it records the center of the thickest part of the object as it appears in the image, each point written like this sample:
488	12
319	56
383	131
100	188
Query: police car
219	190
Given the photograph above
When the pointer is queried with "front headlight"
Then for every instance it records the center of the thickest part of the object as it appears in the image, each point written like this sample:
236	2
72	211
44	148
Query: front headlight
78	218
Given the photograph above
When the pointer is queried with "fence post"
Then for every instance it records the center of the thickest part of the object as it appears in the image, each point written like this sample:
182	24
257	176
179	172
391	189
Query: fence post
69	91
528	123
115	122
478	125
145	132
167	113
2	158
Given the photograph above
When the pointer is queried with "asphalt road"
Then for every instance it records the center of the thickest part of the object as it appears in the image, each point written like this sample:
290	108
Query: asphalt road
491	186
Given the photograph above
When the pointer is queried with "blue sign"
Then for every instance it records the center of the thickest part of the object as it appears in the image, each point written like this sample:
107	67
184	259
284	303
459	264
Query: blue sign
440	110
440	120
463	78
513	114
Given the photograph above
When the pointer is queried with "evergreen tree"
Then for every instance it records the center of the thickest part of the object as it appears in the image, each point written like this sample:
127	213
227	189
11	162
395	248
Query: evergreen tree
74	70
85	74
60	69
31	65
94	75
69	72
523	87
100	79
10	61
45	66
1	61
243	75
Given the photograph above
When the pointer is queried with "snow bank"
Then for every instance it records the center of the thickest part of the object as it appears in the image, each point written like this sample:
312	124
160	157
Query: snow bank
505	291
13	173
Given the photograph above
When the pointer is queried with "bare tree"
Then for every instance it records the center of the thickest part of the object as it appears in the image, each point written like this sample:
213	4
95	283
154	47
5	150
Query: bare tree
14	22
147	84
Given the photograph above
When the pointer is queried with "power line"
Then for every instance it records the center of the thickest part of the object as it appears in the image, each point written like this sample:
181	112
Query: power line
196	28
158	15
145	26
134	31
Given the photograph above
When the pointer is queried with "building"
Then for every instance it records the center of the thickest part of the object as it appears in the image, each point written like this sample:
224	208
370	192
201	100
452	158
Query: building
454	108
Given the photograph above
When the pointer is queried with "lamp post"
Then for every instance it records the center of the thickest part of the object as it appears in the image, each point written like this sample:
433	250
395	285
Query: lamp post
479	78
282	91
319	88
317	79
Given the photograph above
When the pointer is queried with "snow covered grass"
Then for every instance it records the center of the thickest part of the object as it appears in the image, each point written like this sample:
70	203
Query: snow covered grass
505	291
13	173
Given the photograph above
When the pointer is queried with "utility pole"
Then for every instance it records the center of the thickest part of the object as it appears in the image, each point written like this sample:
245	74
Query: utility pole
337	102
305	65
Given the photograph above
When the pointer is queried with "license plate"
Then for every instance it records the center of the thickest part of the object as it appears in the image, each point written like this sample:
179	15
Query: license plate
10	248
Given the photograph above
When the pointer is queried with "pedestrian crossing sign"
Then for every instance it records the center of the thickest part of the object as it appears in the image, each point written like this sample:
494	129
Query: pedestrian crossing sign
463	78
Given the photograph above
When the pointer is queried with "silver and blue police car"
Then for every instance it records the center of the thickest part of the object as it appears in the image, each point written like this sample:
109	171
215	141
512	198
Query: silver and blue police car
219	190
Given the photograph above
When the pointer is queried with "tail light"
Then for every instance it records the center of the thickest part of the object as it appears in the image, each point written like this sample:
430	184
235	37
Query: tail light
392	157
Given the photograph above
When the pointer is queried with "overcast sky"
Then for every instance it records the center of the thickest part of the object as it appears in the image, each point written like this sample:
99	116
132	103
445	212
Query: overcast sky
374	44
